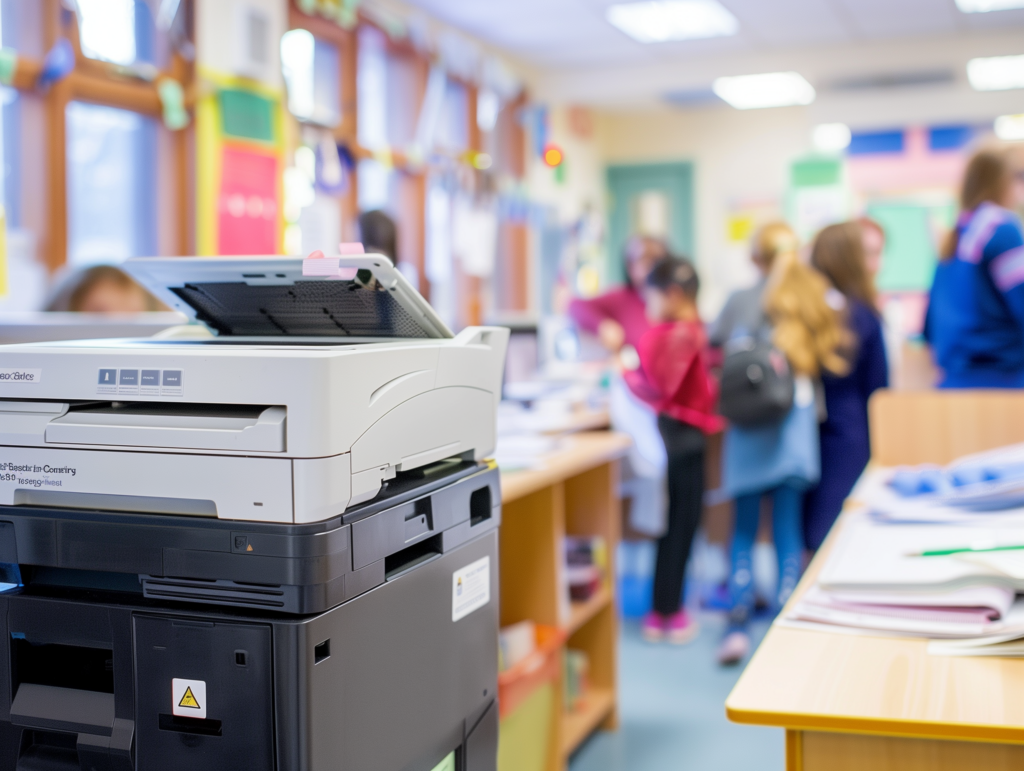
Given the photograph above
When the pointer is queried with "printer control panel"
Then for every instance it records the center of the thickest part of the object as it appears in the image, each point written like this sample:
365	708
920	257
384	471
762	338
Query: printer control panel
140	382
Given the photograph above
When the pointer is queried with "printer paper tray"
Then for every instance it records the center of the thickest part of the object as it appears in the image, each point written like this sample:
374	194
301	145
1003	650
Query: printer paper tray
175	426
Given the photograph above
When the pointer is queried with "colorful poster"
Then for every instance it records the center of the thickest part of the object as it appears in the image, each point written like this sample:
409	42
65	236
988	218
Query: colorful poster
240	165
247	210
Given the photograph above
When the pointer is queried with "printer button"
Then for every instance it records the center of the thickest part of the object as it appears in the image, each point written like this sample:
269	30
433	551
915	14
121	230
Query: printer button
240	543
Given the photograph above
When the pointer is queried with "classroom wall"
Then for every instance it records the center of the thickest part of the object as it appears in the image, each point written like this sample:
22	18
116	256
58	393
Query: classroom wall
742	158
741	162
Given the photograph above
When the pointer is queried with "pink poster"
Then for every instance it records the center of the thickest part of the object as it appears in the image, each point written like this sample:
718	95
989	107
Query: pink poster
247	204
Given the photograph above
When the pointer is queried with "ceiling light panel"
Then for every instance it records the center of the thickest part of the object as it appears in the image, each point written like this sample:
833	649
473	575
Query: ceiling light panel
986	6
831	137
659	21
996	73
770	89
1010	128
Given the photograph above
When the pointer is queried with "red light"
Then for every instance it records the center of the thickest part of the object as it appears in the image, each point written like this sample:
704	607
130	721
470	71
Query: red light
553	156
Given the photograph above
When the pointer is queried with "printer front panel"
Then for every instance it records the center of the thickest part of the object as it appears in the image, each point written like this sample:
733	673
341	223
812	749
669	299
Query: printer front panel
256	489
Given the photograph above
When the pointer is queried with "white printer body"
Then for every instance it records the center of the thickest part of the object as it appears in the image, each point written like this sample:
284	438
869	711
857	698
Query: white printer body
314	389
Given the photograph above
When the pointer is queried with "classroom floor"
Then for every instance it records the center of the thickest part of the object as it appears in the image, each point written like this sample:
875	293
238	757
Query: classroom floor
672	710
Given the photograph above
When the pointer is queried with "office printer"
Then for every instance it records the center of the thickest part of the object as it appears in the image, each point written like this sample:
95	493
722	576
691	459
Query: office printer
311	393
270	547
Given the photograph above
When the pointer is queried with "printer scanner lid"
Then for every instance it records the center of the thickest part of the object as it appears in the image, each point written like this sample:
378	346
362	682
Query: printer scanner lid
351	296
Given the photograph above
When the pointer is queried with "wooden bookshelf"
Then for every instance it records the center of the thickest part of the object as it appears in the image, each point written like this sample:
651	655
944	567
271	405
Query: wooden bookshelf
574	492
578	724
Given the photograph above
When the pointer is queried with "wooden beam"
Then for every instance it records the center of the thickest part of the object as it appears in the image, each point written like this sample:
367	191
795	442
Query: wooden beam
124	94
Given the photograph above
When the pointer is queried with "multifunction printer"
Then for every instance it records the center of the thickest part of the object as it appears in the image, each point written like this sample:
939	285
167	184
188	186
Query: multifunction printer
267	540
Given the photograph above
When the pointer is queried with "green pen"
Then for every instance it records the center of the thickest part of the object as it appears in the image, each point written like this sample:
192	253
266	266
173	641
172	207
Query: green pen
964	550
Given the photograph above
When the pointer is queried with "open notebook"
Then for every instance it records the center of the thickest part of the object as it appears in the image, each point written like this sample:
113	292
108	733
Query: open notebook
878	557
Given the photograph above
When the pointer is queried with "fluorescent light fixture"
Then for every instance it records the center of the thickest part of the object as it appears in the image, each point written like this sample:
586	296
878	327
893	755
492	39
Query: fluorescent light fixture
996	73
1010	128
771	89
657	21
831	137
985	6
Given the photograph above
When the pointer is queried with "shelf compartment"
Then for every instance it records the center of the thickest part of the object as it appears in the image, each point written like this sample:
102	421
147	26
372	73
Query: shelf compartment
582	612
593	709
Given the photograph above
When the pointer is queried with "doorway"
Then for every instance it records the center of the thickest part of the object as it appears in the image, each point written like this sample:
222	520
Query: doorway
653	199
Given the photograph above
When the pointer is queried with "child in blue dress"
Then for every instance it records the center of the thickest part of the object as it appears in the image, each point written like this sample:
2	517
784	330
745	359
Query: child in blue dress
789	307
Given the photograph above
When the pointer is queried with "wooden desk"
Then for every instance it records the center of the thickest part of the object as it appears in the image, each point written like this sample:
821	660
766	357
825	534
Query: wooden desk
858	702
575	493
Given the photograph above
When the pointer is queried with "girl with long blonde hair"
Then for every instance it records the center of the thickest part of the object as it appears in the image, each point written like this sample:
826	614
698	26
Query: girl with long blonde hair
788	307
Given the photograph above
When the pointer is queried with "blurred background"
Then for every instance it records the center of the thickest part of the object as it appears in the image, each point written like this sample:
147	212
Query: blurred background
503	153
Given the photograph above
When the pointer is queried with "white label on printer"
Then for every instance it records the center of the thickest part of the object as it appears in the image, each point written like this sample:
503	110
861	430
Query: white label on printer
471	588
188	698
8	375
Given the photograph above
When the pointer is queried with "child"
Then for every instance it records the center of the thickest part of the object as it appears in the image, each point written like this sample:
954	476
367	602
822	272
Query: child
671	375
789	306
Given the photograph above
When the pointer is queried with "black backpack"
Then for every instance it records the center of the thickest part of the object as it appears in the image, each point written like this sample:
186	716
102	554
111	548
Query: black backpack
757	383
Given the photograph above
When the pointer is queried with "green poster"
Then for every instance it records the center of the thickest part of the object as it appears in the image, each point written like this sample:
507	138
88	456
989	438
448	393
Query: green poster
913	232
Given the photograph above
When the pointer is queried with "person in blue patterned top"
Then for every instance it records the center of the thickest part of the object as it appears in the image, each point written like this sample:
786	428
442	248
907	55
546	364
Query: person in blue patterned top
975	319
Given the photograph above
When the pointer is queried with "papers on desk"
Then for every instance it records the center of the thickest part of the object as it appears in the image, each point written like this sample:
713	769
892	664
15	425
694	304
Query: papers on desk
982	488
873	583
878	580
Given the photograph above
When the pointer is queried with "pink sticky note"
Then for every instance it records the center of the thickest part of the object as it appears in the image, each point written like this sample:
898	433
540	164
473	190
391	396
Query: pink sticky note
352	247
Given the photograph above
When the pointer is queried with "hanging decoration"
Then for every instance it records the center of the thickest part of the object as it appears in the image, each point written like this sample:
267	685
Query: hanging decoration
8	65
553	156
344	13
172	100
57	64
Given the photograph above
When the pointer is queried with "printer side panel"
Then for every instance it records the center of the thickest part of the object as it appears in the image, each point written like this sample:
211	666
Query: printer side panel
475	358
399	677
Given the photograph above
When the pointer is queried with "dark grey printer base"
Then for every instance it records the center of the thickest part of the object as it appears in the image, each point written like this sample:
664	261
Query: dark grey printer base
384	682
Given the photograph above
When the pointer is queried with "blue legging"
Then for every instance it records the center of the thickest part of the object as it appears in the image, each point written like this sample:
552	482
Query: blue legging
787	502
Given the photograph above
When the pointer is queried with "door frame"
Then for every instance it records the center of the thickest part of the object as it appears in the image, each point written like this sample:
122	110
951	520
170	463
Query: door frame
622	181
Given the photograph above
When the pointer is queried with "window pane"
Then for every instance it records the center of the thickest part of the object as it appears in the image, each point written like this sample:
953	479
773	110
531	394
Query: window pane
389	93
311	70
453	126
11	155
372	87
107	30
120	31
111	184
377	186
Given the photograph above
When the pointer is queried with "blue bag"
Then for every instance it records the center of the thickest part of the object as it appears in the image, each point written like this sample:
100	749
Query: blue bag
761	458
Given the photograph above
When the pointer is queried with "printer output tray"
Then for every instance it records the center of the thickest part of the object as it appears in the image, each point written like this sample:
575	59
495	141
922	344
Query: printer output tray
295	569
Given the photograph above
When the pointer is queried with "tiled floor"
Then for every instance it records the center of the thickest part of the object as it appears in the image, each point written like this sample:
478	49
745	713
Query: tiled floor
672	708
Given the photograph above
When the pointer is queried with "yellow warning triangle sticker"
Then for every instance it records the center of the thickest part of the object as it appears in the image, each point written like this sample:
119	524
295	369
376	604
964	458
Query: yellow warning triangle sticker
249	547
188	700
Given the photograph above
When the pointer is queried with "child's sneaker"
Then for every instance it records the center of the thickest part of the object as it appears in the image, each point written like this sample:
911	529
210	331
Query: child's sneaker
653	627
680	628
734	648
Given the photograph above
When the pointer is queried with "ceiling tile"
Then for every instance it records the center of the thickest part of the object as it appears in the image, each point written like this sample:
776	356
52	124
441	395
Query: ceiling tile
880	19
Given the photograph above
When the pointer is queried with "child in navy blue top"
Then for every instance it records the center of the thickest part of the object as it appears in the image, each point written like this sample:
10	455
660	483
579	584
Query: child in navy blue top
975	319
845	446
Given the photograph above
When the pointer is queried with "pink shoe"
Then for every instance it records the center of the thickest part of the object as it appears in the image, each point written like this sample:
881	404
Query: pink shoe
653	627
734	647
680	628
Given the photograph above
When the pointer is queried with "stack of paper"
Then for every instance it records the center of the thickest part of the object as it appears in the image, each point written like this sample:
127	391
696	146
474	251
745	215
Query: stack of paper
876	580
